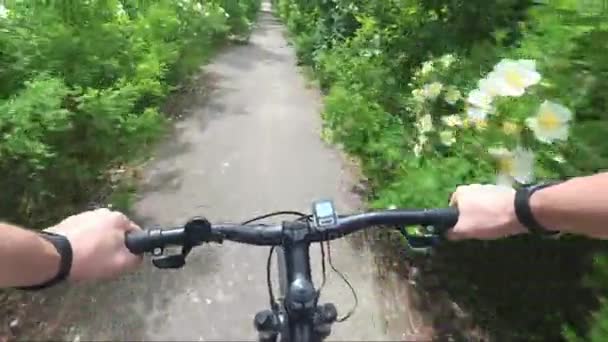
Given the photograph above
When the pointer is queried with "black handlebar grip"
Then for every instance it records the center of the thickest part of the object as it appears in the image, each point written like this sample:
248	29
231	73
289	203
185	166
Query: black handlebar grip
140	242
445	219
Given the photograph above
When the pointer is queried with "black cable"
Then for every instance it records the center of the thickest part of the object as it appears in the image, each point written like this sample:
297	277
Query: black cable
277	213
305	217
322	267
273	303
352	311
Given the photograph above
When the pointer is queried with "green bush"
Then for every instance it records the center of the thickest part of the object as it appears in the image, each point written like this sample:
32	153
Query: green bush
240	14
405	83
80	88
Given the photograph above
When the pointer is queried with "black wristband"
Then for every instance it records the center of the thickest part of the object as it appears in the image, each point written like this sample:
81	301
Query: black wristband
523	211
64	248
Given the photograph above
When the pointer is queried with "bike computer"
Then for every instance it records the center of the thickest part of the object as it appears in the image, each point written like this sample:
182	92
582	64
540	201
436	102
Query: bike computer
324	214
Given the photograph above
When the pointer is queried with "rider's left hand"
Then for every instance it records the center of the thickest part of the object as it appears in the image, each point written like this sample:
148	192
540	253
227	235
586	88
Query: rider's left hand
98	243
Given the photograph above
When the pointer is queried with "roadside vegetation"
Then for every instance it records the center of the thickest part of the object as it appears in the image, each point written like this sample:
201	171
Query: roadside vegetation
81	84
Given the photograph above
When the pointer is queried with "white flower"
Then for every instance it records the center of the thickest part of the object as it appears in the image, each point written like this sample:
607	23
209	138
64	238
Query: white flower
476	114
447	138
425	124
489	85
523	166
559	158
453	120
517	164
504	180
480	99
198	7
432	90
120	11
452	95
447	60
426	67
3	11
551	122
417	150
511	78
499	152
422	139
480	105
510	128
223	11
418	95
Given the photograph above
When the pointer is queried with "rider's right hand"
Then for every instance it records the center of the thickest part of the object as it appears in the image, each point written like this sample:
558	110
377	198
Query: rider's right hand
486	212
98	243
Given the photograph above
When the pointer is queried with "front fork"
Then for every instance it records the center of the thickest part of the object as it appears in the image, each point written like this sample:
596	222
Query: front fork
270	324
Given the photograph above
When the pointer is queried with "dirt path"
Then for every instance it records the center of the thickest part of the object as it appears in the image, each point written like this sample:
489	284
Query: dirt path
250	147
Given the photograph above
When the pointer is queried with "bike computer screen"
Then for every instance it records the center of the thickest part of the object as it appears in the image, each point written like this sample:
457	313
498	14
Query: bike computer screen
324	214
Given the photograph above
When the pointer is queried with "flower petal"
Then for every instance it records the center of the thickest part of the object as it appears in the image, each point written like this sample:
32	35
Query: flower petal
447	138
550	122
504	180
562	112
453	120
523	165
489	84
499	152
476	113
511	78
480	99
425	124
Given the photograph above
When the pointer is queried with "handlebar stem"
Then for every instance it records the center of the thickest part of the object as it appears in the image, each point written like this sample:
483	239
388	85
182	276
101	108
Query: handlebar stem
301	298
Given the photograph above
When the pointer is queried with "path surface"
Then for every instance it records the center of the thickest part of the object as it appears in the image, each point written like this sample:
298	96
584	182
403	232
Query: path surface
249	147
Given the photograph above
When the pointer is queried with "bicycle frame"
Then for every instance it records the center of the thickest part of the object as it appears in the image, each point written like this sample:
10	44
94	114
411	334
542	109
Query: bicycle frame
295	319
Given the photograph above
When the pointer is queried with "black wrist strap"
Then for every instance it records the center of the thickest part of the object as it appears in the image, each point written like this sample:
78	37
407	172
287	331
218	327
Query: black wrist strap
524	212
64	248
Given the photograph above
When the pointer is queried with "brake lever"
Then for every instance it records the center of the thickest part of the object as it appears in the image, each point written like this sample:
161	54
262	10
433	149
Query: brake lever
196	231
423	243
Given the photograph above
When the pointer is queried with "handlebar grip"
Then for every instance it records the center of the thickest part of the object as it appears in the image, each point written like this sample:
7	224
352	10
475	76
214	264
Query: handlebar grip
140	242
446	219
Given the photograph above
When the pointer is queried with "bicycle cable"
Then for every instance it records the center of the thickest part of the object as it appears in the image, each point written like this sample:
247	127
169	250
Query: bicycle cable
276	213
273	302
352	289
323	268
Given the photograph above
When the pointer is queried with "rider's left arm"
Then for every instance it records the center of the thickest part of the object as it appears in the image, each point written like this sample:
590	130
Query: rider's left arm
96	240
25	257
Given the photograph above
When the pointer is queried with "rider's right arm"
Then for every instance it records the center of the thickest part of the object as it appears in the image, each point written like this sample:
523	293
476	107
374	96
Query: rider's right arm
577	206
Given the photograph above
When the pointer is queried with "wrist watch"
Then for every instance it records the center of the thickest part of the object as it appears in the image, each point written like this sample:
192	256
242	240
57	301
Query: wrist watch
64	248
524	212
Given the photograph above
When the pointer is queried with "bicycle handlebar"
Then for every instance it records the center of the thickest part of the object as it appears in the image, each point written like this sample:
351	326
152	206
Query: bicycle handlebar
200	231
298	318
